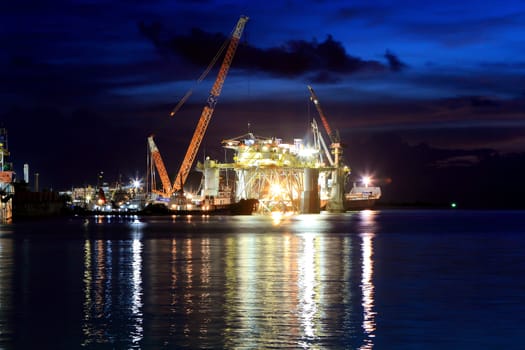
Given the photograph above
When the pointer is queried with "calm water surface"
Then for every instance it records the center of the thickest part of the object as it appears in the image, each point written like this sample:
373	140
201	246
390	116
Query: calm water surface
359	280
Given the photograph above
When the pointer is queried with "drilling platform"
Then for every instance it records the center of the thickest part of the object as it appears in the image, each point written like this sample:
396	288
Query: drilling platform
283	177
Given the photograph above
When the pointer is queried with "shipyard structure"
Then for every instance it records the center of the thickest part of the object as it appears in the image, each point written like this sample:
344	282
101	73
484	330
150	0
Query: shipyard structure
7	189
265	174
298	177
283	177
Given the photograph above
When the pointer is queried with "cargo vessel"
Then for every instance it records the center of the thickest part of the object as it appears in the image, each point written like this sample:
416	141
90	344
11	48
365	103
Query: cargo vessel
362	196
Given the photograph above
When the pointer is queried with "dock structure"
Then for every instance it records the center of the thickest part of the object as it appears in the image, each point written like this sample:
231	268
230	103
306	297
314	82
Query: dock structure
7	189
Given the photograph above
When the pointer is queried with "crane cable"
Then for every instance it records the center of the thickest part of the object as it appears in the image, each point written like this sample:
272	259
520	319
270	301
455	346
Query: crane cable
203	75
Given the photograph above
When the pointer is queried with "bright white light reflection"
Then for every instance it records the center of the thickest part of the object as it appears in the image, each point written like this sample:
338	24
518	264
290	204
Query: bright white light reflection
136	298
247	286
367	286
307	286
137	227
367	215
278	216
367	222
310	223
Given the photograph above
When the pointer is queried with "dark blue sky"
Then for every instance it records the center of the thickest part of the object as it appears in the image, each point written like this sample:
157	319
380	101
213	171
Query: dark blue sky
85	82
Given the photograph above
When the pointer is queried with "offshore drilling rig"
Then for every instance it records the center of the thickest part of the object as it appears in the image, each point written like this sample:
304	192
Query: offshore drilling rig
298	177
286	177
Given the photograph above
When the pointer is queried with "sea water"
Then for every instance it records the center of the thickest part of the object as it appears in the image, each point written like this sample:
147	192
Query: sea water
385	279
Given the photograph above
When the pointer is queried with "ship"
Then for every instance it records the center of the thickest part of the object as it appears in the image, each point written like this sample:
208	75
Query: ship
361	196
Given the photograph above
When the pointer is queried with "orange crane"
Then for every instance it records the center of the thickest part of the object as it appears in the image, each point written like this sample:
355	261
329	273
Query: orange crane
159	164
207	112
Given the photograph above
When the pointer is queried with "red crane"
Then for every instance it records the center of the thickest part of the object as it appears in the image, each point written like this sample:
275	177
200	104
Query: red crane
334	137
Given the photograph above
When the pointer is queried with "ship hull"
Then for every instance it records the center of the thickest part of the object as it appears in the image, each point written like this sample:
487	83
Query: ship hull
359	204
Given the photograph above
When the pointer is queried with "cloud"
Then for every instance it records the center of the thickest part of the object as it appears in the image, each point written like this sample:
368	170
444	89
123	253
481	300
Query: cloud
294	58
457	161
394	63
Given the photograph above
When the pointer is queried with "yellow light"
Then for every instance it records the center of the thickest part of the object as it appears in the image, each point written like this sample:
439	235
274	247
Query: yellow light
276	189
276	217
307	152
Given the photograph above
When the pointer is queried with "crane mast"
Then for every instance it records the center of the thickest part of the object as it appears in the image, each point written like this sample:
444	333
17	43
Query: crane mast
207	112
335	202
333	136
319	141
159	164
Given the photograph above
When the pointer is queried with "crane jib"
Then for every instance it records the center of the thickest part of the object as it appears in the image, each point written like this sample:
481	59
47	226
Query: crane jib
212	101
207	112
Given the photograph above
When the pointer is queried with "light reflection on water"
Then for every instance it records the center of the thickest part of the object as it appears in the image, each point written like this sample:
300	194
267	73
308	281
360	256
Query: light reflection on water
294	285
244	290
112	292
367	284
6	275
385	280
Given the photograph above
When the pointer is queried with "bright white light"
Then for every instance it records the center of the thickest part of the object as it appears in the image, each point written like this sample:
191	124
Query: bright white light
275	190
308	283
276	217
366	180
367	286
307	152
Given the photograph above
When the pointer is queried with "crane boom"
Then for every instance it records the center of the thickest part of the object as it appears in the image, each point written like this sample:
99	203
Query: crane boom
319	141
159	164
207	112
333	136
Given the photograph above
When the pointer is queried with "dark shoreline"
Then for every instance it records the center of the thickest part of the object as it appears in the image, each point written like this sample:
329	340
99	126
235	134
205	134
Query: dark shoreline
229	211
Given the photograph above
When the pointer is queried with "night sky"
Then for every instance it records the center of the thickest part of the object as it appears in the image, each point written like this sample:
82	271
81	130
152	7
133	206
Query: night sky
429	97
